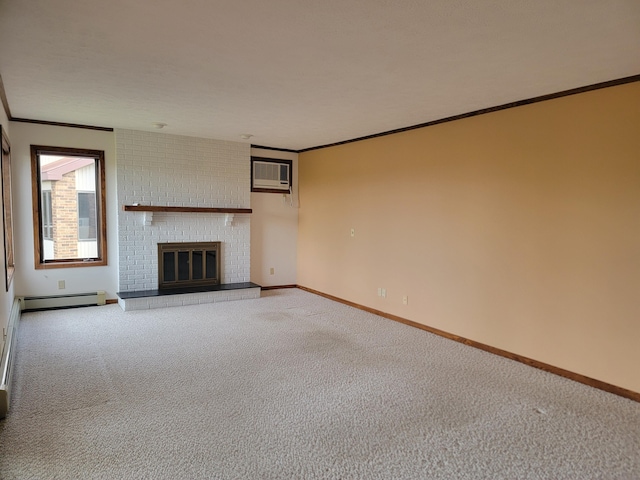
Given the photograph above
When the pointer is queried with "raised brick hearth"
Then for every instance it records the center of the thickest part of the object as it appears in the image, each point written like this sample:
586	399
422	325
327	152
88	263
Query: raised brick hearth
147	299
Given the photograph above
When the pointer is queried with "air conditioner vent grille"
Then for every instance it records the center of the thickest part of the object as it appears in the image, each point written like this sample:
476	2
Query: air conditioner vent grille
269	174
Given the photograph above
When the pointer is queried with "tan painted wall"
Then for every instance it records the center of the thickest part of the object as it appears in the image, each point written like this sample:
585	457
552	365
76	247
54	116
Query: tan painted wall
519	229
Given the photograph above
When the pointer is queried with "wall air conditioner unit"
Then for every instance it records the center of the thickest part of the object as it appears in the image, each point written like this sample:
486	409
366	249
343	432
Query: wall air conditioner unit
269	175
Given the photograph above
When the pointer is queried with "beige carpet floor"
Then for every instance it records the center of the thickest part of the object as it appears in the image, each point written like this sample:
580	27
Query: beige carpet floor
293	386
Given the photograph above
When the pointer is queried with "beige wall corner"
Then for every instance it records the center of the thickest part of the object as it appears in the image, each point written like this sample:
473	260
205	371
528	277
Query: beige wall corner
274	229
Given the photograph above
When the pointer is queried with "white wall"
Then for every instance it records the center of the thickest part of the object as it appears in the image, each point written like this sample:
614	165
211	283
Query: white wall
171	170
6	297
274	229
28	280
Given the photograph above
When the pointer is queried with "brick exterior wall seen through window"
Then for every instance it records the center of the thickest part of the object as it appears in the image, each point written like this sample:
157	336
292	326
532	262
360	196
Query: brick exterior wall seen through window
65	216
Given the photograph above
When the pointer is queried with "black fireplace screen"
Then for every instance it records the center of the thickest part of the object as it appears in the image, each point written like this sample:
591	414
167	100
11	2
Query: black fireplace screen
188	264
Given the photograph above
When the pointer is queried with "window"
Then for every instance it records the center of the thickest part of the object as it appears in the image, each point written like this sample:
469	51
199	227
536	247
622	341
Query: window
87	221
7	217
69	207
47	217
270	175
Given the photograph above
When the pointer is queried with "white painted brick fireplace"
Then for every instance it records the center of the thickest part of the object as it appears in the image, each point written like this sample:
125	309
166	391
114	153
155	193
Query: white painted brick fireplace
170	170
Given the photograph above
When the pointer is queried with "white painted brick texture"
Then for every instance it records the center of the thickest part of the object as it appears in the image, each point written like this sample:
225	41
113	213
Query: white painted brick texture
170	170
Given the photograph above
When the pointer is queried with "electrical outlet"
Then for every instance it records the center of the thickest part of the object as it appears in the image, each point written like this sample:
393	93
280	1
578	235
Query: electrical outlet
61	285
272	271
405	300
353	232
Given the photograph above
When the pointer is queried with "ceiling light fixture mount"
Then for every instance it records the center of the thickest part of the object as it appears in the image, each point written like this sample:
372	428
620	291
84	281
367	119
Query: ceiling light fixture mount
246	136
159	125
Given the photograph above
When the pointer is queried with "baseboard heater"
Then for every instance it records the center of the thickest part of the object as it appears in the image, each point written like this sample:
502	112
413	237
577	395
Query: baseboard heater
63	301
8	352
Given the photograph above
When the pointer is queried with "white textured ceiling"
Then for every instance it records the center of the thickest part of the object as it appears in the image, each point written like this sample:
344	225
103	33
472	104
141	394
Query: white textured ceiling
301	73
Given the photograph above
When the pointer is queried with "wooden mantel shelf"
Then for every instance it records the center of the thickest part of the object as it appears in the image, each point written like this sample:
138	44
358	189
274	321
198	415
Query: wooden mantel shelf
158	208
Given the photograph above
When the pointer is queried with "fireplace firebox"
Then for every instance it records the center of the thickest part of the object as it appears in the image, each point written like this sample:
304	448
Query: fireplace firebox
192	264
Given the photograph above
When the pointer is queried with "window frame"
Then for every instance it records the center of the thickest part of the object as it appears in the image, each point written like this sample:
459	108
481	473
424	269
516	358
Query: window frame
98	156
7	210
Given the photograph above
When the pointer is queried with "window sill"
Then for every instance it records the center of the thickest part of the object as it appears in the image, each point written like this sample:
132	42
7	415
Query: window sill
70	264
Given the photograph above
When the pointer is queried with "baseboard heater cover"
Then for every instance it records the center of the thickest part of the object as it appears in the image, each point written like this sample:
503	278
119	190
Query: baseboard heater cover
8	352
63	301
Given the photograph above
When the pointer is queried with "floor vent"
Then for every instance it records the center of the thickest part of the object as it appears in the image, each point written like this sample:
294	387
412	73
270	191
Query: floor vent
30	304
8	352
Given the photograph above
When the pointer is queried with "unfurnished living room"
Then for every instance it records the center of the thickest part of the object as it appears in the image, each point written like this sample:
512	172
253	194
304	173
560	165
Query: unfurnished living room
320	240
